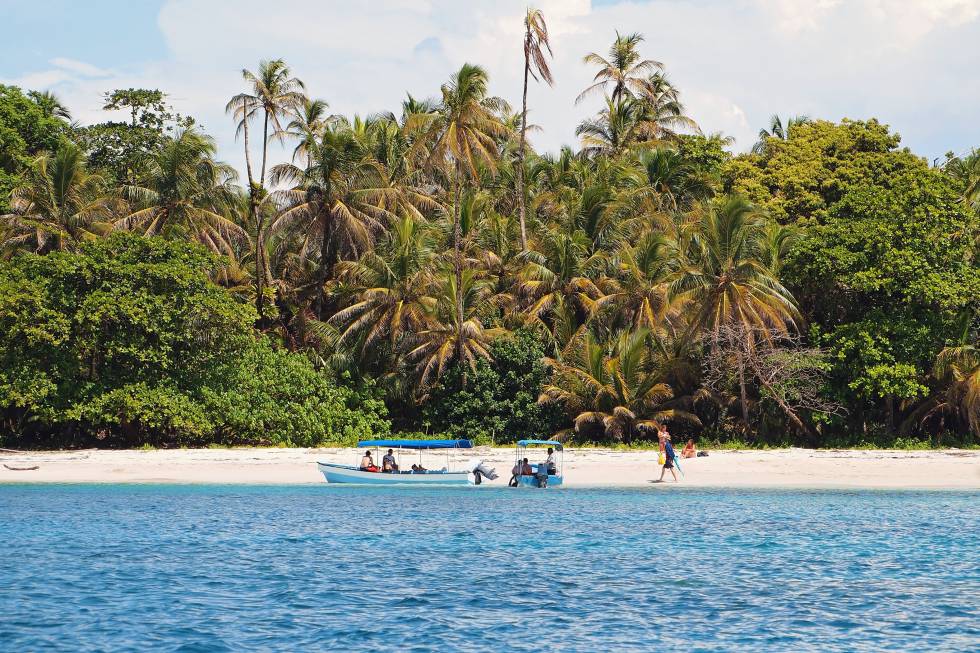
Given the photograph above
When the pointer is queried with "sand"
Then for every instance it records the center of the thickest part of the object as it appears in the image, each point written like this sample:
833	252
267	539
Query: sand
798	468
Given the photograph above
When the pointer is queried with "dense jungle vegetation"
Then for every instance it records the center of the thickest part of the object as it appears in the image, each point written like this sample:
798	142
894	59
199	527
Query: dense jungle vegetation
426	270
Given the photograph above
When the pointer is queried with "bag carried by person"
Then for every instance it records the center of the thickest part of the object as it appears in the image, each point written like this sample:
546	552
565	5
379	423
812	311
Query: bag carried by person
661	459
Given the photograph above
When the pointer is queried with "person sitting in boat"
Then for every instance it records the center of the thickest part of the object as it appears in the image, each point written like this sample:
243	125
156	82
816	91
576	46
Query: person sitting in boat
367	463
515	474
388	464
552	465
418	469
526	468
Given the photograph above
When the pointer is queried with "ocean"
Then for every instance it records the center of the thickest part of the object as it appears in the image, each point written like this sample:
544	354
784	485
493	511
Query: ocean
338	568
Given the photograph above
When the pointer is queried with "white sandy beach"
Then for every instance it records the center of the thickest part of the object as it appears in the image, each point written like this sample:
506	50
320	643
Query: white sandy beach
943	469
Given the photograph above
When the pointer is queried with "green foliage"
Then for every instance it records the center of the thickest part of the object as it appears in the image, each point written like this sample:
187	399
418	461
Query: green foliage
130	342
123	149
499	398
25	131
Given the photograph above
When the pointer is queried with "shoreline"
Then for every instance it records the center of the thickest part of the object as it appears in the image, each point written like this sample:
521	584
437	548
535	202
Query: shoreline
771	468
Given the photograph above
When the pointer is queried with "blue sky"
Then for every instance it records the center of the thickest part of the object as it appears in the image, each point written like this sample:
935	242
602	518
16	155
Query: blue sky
911	63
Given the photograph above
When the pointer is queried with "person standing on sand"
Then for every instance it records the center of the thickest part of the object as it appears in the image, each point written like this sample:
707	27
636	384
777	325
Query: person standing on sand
669	455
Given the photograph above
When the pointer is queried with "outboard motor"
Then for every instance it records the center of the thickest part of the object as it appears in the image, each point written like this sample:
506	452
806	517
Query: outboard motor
480	470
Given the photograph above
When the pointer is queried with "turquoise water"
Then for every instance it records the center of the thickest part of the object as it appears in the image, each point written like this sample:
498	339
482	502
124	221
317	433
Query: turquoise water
210	568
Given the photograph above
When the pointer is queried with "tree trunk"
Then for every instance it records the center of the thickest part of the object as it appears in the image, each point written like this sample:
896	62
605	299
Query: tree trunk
743	394
520	152
260	267
328	254
254	214
458	263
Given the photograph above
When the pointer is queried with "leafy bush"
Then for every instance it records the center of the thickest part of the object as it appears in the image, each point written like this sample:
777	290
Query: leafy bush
498	400
129	342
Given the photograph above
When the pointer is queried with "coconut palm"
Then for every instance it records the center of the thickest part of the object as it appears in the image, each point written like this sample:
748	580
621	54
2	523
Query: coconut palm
336	204
615	387
274	95
624	73
618	126
309	120
51	105
957	368
57	205
390	291
724	274
449	340
462	133
185	192
535	63
663	112
559	270
777	130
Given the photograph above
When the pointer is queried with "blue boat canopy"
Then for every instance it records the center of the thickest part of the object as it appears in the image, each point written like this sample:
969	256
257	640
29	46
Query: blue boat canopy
553	443
417	444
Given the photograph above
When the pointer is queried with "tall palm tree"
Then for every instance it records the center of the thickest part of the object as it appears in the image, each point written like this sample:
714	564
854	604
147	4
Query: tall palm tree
618	126
390	290
51	105
58	204
535	44
663	111
336	204
309	120
274	94
624	71
725	275
617	386
185	192
462	134
449	339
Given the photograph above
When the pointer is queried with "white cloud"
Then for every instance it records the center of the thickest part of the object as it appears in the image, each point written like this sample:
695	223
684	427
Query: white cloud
905	61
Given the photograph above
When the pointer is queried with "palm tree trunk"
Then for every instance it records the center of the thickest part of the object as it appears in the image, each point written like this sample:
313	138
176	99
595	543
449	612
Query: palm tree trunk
520	152
253	213
328	255
458	262
260	268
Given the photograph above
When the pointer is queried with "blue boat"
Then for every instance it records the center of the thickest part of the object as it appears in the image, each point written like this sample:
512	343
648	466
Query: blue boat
544	475
472	472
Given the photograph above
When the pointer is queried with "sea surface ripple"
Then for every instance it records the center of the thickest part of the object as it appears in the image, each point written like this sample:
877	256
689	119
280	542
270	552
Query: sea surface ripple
334	568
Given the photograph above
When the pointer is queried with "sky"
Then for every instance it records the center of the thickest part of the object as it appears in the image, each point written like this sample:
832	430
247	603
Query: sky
911	63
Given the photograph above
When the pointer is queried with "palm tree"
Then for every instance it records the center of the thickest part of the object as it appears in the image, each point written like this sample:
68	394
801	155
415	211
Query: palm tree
463	133
448	338
724	274
309	120
957	367
617	386
58	204
535	63
777	130
617	127
336	204
275	94
558	274
624	70
50	104
663	112
185	192
390	290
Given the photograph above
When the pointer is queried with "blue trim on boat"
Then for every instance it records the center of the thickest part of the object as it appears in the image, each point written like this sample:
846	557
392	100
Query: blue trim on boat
417	444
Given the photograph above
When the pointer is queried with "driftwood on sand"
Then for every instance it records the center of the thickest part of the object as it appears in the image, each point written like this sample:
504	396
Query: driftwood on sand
22	469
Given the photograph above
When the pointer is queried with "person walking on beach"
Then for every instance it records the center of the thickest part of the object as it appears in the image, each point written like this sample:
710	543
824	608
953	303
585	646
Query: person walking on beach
669	455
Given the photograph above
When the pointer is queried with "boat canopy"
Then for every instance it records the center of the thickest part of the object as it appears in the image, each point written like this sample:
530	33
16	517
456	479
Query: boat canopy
417	444
553	443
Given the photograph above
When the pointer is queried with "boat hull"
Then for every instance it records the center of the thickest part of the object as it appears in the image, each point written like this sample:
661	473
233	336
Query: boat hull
334	473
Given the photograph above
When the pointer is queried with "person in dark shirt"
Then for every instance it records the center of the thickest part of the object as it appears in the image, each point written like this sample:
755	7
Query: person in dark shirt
669	456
